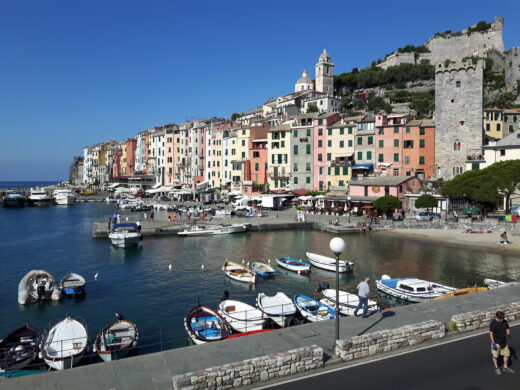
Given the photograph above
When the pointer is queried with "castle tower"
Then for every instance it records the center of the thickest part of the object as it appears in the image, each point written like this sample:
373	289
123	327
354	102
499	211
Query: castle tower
458	116
325	74
303	83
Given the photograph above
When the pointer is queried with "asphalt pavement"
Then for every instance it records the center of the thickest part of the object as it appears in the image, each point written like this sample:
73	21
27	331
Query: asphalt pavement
464	364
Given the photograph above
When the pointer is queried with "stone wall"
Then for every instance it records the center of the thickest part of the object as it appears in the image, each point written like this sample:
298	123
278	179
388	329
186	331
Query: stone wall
251	371
512	63
389	340
464	223
481	318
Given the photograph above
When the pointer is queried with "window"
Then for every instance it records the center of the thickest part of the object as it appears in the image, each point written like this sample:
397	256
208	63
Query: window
308	179
498	127
243	142
295	180
329	132
396	157
350	143
359	155
342	131
329	143
369	155
421	160
396	129
320	157
320	131
457	84
488	127
307	167
456	145
422	131
282	144
396	143
341	144
381	131
421	143
320	122
511	128
408	144
321	171
243	154
255	154
381	157
359	140
257	166
295	133
407	159
295	167
370	140
341	183
329	156
350	130
502	152
381	143
408	130
295	149
308	149
320	143
308	132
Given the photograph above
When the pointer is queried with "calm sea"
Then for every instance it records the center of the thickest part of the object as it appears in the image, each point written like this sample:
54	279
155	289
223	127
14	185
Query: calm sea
137	283
27	184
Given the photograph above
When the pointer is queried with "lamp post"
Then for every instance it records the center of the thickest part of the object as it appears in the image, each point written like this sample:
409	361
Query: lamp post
349	208
337	245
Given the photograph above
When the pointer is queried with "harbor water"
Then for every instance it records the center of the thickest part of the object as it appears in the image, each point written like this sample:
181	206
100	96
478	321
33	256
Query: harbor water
138	283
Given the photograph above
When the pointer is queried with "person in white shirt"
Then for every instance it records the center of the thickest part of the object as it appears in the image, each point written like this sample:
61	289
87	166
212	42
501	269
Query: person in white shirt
363	294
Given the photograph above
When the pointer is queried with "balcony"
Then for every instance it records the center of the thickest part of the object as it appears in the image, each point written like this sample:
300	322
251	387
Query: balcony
476	157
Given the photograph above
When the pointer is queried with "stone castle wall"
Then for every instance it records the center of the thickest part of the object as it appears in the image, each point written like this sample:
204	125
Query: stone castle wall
458	104
513	69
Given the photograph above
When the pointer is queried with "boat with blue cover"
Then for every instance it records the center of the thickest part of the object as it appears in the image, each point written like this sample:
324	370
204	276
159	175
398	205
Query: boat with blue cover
73	284
412	289
204	325
295	265
312	309
263	269
125	234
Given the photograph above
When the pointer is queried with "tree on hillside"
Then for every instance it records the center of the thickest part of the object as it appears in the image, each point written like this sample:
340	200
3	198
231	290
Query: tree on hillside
377	104
236	115
426	201
312	108
388	204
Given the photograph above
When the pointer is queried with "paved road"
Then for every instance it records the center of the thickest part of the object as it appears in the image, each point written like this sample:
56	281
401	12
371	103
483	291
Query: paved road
464	364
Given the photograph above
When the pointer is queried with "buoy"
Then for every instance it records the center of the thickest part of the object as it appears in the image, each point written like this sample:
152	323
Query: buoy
202	266
96	276
170	267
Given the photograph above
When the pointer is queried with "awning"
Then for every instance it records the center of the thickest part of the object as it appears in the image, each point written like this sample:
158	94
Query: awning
159	190
114	185
203	185
363	166
156	186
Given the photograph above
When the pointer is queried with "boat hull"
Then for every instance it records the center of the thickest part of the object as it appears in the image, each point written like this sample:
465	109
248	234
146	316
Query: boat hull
24	342
329	264
301	269
280	313
425	297
124	241
242	317
65	200
14	202
64	364
313	310
263	270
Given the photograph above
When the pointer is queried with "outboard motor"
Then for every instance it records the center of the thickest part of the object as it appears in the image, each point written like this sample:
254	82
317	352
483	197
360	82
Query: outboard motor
40	290
323	286
225	297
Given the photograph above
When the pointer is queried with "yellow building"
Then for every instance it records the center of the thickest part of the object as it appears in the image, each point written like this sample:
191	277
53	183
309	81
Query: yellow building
278	160
493	122
239	158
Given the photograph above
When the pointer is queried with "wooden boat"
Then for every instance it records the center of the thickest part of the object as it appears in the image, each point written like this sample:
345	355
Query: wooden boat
347	302
248	333
291	264
329	263
115	340
205	325
263	269
279	307
241	316
124	235
313	310
239	272
412	289
73	284
463	291
64	343
19	348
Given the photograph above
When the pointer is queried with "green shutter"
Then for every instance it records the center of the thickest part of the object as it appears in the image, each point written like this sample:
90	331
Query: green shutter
329	156
396	143
381	158
396	157
421	143
381	143
359	155
369	155
350	143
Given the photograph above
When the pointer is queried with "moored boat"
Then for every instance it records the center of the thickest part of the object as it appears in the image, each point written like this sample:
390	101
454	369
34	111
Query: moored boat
312	309
462	291
213	230
329	263
64	343
36	286
412	289
115	340
204	325
13	198
124	235
73	284
38	197
241	316
263	269
64	196
348	302
279	307
239	272
492	283
295	265
19	348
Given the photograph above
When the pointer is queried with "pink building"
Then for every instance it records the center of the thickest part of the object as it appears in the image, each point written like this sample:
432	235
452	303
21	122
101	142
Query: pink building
366	191
320	156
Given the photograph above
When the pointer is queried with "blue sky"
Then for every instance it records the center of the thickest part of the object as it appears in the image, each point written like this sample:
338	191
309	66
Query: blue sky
74	73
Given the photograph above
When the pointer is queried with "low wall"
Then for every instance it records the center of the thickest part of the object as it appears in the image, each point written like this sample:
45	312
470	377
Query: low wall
358	347
478	319
250	371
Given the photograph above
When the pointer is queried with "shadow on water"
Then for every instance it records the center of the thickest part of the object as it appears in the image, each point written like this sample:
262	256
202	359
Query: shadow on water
384	314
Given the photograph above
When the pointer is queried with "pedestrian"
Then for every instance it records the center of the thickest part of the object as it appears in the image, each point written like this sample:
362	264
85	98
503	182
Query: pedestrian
503	238
152	214
145	216
138	224
403	214
363	293
498	332
455	215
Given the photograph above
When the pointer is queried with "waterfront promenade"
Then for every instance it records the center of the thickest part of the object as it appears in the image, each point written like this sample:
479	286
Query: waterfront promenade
155	371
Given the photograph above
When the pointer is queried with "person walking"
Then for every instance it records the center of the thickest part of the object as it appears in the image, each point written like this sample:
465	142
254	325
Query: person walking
363	293
498	332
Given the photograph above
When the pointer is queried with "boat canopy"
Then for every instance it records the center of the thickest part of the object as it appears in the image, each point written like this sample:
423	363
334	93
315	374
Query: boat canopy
363	166
124	225
393	282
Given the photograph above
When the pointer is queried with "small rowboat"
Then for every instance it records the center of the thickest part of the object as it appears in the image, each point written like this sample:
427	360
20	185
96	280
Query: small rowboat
73	284
241	316
263	269
205	325
19	348
329	263
239	272
291	264
278	307
116	339
313	310
64	344
463	291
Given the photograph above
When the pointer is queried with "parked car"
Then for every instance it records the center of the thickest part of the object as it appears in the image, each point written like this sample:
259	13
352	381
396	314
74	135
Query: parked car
88	192
425	216
140	194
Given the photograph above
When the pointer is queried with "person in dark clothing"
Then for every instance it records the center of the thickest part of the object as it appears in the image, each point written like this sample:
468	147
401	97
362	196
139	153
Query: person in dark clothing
498	332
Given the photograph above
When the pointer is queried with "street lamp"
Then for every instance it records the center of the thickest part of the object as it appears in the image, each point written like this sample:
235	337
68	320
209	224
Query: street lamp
337	245
349	208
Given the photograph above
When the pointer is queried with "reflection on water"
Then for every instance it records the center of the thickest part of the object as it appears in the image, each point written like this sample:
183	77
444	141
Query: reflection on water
137	282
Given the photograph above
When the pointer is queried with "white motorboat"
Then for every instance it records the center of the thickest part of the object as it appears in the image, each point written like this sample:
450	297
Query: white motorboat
213	230
64	196
329	263
279	307
125	234
412	289
223	212
347	302
239	272
13	198
111	199
241	316
64	344
115	340
312	309
38	197
38	285
492	283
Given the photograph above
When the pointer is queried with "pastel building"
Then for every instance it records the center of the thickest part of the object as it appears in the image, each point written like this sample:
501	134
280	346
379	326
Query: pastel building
322	158
302	134
364	146
369	189
278	144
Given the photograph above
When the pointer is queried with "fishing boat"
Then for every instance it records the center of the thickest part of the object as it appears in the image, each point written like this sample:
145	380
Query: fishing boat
412	289
64	343
492	283
195	230
36	286
279	307
19	348
329	263
462	291
241	316
347	302
13	198
124	235
313	310
64	196
73	284
115	340
239	272
205	325
38	197
295	265
263	269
